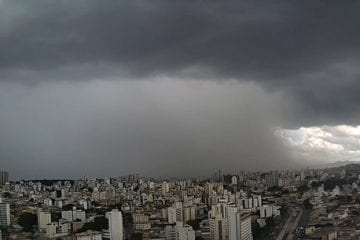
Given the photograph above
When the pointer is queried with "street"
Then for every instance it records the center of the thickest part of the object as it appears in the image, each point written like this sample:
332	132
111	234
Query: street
291	224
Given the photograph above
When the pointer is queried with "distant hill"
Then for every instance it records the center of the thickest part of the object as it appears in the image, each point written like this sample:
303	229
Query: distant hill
335	164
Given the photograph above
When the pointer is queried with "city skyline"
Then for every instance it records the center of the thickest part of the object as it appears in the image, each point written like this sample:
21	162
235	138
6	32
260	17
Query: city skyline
311	203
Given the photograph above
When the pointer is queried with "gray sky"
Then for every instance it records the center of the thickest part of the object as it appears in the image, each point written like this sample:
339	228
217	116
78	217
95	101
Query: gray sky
176	87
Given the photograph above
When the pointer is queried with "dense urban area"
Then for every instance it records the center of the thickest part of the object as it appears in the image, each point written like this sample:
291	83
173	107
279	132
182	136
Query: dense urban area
281	205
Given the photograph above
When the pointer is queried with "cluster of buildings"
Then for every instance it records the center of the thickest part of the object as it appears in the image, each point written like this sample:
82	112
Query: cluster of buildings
335	206
223	207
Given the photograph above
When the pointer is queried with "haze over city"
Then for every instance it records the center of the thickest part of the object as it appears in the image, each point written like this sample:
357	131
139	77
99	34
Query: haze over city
176	88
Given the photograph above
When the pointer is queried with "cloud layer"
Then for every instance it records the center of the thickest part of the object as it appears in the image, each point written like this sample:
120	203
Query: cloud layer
323	144
163	126
309	49
175	83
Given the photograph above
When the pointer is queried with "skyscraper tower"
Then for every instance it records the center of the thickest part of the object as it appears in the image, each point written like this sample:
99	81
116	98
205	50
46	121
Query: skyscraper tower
115	225
4	178
239	225
4	213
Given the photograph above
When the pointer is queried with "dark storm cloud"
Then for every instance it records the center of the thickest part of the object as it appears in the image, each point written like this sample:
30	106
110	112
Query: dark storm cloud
243	38
279	43
164	127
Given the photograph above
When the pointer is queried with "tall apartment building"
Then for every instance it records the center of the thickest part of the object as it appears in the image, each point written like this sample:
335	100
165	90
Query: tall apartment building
115	225
189	213
271	180
218	221
171	213
175	213
228	223
4	213
239	225
218	228
4	178
44	218
245	227
179	231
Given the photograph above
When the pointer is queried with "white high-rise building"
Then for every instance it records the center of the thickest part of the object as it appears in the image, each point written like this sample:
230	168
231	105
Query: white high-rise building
172	215
218	221
269	210
228	223
239	225
4	213
165	187
44	218
245	227
175	213
179	232
189	213
218	228
234	223
115	225
234	180
4	178
185	232
170	232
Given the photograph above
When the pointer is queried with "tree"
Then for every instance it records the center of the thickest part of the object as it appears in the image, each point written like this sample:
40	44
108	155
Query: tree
68	207
303	188
261	233
128	220
98	224
274	188
194	223
283	211
27	221
285	191
355	212
255	228
55	216
7	195
137	236
4	232
227	178
307	204
270	222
